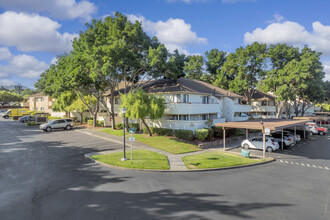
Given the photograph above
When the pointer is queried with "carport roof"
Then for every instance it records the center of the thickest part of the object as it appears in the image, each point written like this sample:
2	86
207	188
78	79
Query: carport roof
272	124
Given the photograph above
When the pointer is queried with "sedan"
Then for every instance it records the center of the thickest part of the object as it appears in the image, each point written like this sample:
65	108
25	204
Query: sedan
257	143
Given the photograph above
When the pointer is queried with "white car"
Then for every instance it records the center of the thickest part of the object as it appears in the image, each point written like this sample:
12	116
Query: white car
57	124
297	138
257	143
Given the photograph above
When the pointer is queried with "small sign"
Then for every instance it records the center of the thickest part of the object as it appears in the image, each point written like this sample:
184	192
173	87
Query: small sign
267	131
132	139
132	130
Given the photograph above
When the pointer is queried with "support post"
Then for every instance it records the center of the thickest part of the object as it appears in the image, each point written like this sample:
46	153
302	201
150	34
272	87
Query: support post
263	141
304	131
282	140
224	139
295	134
247	133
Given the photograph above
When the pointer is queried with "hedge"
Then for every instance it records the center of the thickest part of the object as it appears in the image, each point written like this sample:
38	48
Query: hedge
210	134
217	131
31	123
98	123
186	135
120	126
201	134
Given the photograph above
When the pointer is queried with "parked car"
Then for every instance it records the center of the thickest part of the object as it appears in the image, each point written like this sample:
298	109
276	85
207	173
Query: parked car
257	143
26	118
320	130
65	124
288	140
296	138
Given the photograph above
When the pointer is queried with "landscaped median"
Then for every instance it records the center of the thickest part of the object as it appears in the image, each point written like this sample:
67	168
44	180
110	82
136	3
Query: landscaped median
217	159
169	144
142	159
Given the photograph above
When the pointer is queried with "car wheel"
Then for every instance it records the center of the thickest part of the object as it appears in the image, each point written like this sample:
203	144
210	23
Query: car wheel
68	127
6	117
321	133
246	146
310	133
48	129
269	149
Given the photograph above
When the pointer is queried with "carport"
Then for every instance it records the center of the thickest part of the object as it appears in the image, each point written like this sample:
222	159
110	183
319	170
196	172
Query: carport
320	118
265	125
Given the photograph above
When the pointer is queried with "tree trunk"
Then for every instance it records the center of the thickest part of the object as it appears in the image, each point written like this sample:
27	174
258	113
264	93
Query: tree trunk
112	102
145	124
81	117
94	119
279	107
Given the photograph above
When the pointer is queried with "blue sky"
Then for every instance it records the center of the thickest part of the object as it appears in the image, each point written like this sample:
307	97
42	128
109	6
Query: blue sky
33	32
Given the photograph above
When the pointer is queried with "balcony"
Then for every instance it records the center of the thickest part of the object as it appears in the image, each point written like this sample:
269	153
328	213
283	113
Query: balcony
263	108
242	108
191	108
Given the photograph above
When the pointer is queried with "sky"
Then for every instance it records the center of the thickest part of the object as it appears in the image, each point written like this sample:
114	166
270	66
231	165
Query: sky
34	32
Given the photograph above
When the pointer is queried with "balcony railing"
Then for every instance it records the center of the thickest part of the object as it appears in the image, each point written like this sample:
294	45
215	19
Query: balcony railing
191	108
242	108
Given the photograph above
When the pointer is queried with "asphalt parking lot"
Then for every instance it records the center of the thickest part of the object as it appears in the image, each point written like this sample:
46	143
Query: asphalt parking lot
45	176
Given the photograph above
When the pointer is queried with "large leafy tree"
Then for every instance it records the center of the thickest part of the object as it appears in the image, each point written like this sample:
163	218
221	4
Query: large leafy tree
247	67
215	59
80	107
193	67
7	97
279	55
140	105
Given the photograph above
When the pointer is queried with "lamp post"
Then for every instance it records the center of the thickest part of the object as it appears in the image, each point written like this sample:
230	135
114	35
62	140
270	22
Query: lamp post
263	139
124	112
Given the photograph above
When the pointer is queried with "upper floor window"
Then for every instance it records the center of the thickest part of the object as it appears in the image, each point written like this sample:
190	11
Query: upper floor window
205	100
116	101
263	103
177	98
184	117
36	99
185	98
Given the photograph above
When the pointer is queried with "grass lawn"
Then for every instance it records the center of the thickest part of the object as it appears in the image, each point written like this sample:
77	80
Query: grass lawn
216	160
142	159
168	144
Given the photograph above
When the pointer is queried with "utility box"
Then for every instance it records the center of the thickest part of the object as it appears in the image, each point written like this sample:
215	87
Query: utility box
245	153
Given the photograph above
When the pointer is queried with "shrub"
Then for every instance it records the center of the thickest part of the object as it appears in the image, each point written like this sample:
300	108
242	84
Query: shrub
163	131
90	122
31	123
201	134
238	132
217	131
209	123
145	130
134	125
186	135
100	124
120	126
210	134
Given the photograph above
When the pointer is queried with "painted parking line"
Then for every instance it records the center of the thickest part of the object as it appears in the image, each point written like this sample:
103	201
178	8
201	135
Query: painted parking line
304	165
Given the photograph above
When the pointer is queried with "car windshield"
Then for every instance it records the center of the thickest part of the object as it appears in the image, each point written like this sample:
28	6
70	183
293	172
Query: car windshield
51	122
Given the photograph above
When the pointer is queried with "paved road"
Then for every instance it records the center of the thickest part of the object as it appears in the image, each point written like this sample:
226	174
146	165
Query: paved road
44	176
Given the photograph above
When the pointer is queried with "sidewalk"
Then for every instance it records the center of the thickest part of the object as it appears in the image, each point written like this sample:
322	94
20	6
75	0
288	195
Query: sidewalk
175	160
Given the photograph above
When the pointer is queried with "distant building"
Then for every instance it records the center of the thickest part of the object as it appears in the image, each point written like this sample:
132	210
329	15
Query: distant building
263	105
40	102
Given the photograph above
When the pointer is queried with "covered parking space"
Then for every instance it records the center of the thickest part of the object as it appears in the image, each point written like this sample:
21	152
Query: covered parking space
319	119
266	126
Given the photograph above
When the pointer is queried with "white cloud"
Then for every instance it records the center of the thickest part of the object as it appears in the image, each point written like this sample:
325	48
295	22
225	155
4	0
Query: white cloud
277	18
174	33
24	66
326	69
32	32
5	53
6	82
63	9
293	33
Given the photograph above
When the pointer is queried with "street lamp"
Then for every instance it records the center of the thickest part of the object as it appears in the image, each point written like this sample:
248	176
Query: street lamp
263	139
123	110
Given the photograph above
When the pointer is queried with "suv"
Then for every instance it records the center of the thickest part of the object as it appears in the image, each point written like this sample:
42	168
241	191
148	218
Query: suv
65	124
317	129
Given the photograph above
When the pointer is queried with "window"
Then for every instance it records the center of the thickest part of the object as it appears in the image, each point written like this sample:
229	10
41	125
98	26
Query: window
41	108
68	120
204	117
243	102
116	101
185	98
37	108
175	117
177	98
184	117
36	99
61	121
205	100
263	103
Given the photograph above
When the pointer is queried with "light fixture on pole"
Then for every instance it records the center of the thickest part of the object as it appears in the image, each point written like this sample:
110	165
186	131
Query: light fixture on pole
123	110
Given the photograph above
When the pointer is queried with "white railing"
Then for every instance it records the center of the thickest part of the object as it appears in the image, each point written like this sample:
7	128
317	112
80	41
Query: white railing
240	118
263	108
242	108
191	108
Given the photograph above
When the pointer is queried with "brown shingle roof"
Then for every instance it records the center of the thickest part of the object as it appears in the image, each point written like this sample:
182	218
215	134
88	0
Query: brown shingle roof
184	85
258	95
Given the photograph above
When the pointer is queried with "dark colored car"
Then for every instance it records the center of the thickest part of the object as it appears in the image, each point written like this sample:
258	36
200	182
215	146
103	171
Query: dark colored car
26	118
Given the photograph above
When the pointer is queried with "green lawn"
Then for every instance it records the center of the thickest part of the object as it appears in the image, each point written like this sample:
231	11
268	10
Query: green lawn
168	144
216	160
142	159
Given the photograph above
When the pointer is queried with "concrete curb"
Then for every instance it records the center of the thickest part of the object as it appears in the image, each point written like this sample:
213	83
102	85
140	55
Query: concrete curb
88	156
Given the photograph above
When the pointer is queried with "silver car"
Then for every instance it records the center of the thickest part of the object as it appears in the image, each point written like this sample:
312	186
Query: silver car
57	124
